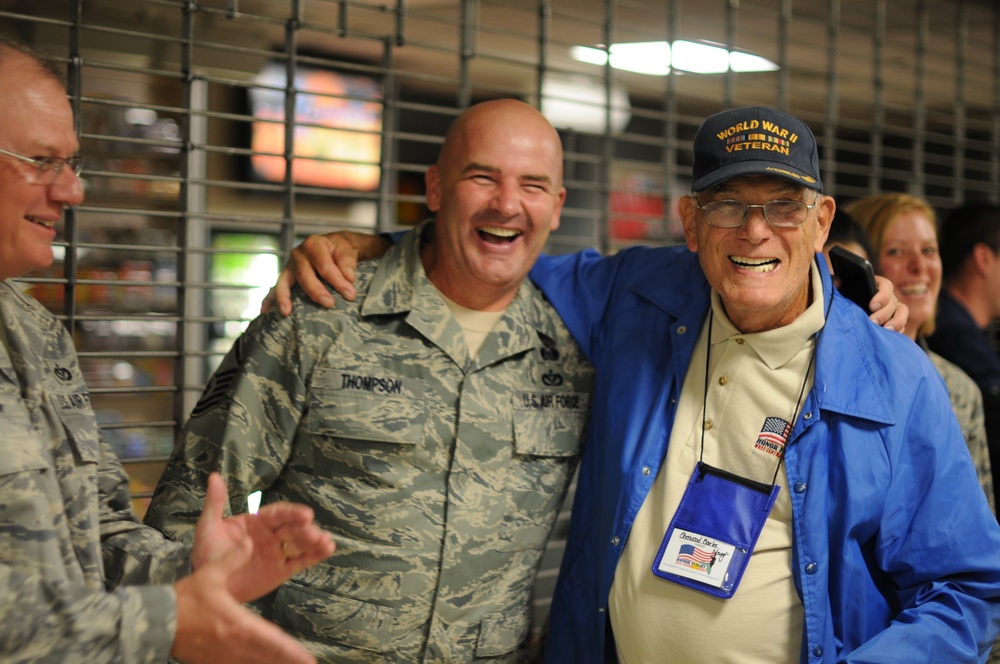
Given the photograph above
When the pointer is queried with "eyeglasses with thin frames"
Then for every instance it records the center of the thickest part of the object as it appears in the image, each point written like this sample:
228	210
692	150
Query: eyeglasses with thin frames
47	169
729	213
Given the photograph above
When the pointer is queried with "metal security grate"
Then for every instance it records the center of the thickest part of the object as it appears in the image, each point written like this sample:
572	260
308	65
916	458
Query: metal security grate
190	111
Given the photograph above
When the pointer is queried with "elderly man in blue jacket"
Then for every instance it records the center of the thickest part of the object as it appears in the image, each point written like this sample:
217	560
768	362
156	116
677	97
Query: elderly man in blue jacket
768	477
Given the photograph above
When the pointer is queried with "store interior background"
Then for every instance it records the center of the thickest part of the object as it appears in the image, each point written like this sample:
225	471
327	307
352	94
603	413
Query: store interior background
189	212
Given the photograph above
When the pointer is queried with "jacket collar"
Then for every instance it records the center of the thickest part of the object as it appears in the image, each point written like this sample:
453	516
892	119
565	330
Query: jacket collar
680	289
846	381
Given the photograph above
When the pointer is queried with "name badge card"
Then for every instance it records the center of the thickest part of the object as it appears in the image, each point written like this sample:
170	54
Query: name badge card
714	531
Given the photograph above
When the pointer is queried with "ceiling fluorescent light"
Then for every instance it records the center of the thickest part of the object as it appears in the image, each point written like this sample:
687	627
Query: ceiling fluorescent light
592	56
656	58
742	62
699	58
651	58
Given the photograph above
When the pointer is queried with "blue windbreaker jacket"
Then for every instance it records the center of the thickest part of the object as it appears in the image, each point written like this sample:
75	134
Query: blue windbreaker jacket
896	554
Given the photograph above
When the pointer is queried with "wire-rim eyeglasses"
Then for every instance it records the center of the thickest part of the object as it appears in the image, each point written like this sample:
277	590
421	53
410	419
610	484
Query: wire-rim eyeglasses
47	169
730	213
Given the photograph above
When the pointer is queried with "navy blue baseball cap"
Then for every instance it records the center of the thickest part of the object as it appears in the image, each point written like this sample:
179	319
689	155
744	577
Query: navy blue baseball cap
754	140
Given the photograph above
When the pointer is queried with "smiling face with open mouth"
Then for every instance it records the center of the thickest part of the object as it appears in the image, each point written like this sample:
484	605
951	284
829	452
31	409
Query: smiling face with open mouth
35	121
497	193
761	272
909	258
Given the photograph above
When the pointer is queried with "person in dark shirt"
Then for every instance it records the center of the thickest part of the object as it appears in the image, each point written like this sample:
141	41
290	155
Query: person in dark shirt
969	301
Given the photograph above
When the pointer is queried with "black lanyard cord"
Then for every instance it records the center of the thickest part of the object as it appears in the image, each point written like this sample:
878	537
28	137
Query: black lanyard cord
795	414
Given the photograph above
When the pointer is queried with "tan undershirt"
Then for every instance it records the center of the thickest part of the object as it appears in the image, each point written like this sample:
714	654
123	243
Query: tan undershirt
753	376
476	325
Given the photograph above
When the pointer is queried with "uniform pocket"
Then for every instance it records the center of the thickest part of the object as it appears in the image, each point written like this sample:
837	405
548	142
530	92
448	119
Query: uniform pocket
80	424
550	425
22	447
548	435
502	633
333	618
21	453
26	530
382	419
367	404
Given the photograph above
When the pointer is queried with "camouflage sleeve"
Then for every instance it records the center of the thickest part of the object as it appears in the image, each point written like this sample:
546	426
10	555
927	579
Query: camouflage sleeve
975	438
58	622
134	554
55	606
242	426
43	620
967	403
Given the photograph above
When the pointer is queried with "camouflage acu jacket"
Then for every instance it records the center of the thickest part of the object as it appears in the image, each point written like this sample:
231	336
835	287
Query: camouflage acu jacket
967	402
439	475
66	522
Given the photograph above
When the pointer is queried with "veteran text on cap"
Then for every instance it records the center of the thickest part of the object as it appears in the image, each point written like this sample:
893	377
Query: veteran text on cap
755	140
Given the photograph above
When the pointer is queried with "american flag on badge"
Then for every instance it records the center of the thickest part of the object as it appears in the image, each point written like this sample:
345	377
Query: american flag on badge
696	553
696	557
772	436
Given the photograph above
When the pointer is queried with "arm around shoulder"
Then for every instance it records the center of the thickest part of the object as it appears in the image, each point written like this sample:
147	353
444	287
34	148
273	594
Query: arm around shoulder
332	258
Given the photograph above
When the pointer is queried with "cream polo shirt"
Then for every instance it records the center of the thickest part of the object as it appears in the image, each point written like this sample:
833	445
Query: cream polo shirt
753	377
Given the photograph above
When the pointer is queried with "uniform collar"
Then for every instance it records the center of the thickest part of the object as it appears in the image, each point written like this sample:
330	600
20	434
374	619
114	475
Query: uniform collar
400	286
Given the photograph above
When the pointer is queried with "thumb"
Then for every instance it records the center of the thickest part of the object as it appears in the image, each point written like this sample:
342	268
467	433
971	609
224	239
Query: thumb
269	300
218	542
215	499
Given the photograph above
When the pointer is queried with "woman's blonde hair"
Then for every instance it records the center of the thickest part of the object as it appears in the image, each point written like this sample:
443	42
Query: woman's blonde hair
875	214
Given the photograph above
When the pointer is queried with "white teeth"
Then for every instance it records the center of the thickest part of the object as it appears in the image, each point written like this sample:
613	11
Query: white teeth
755	264
499	231
917	289
41	222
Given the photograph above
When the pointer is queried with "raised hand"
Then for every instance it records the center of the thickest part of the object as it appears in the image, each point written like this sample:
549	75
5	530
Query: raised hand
281	538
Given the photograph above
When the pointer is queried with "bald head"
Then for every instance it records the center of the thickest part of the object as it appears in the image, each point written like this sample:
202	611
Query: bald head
504	116
36	121
16	53
25	79
496	192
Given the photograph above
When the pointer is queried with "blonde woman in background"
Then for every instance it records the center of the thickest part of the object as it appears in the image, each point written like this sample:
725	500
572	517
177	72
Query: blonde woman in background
903	234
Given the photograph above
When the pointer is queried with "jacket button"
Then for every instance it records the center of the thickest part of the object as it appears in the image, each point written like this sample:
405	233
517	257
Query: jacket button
800	487
615	540
646	470
807	416
682	329
817	651
812	568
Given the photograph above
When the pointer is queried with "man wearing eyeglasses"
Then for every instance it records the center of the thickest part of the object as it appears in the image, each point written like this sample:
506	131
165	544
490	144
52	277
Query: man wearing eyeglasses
767	477
780	483
45	170
81	579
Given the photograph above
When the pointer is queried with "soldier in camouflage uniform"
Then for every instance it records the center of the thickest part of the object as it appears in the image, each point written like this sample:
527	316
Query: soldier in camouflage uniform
967	402
438	469
67	530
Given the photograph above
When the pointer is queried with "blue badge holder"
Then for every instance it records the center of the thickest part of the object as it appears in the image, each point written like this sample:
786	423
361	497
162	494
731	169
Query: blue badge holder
720	515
